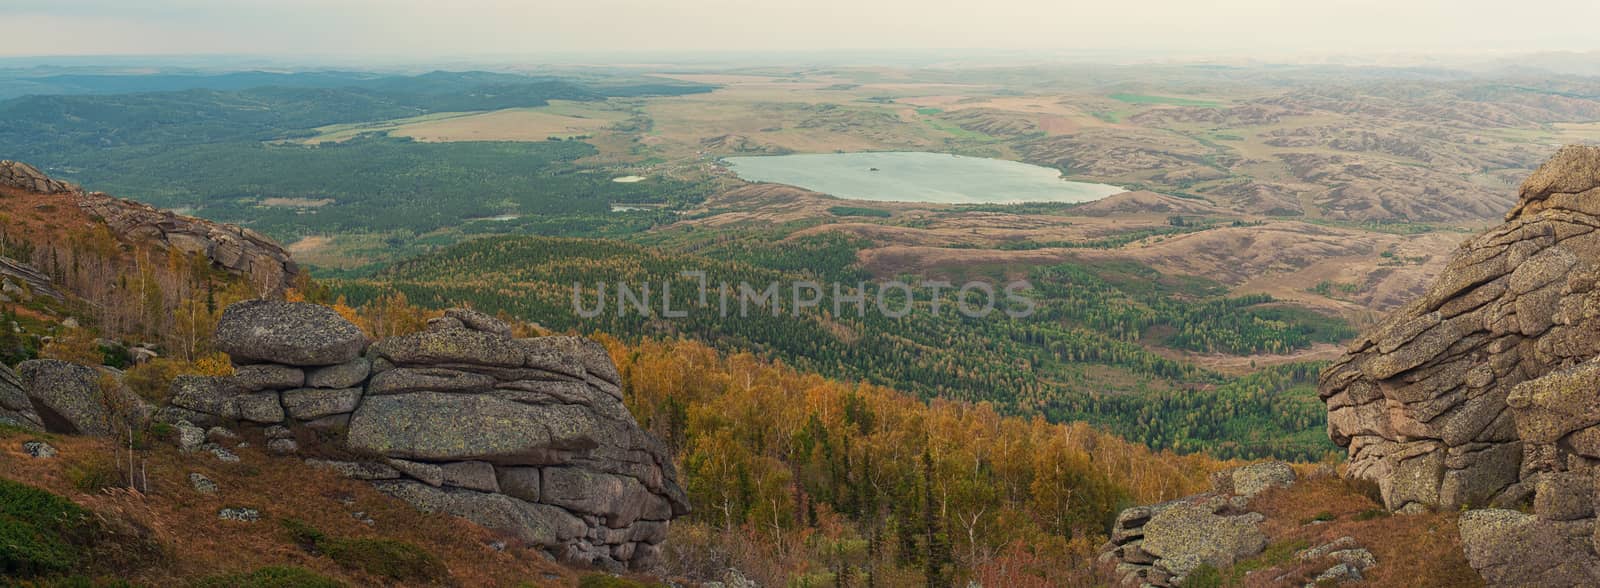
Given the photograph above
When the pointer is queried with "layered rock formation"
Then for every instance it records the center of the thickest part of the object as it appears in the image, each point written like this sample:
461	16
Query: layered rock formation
1487	380
1486	391
283	354
20	175
35	281
528	436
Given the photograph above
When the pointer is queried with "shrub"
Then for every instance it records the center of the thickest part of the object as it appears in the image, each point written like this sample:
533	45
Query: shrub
115	356
40	533
388	558
272	577
162	431
94	474
76	346
1323	516
859	211
152	380
78	582
609	581
1205	576
1372	513
304	535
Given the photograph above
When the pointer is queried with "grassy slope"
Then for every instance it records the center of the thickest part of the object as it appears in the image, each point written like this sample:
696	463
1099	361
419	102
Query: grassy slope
196	545
1411	550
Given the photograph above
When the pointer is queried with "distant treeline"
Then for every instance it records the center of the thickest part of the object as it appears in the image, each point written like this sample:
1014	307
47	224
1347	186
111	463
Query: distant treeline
222	152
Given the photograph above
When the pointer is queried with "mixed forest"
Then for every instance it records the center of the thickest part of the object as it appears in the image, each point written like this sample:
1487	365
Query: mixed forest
1083	353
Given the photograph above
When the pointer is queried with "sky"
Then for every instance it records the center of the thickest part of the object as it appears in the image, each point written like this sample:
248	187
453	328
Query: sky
420	28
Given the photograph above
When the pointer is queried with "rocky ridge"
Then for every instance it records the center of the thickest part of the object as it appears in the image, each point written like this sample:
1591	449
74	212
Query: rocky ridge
231	247
528	436
21	175
1484	391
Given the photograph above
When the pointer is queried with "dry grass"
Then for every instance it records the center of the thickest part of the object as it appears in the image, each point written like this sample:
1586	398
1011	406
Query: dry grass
522	124
308	245
40	218
1412	550
297	202
185	522
1055	115
561	118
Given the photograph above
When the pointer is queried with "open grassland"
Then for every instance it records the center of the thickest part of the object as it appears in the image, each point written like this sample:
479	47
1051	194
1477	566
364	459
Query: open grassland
346	131
560	119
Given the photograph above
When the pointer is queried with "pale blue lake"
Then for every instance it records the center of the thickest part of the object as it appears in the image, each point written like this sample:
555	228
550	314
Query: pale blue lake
918	177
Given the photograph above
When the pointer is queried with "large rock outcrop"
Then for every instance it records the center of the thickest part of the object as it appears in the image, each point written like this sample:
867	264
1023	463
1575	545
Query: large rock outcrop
267	331
70	398
528	436
64	397
1161	544
1486	391
1510	548
16	409
1486	381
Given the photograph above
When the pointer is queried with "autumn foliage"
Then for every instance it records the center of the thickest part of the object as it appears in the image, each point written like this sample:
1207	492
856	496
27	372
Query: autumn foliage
796	476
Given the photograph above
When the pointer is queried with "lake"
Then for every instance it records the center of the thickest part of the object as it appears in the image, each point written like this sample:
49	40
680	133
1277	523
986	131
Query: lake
918	177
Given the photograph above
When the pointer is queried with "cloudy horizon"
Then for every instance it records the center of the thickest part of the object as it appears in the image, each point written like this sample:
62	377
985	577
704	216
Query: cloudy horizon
419	28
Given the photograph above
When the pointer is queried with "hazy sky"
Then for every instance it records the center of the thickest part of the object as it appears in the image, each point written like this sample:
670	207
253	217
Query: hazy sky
418	28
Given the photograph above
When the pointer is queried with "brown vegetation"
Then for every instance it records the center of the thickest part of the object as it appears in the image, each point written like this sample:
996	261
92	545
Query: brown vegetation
194	544
136	290
833	483
1411	550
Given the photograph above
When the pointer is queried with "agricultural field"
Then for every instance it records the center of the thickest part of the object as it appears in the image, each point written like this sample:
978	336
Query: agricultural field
561	119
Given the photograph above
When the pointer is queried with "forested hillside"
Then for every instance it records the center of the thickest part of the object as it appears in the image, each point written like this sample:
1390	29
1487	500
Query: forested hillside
795	476
1084	353
388	185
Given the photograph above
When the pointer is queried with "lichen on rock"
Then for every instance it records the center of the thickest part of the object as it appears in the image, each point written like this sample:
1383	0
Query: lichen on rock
528	436
1487	378
1486	390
